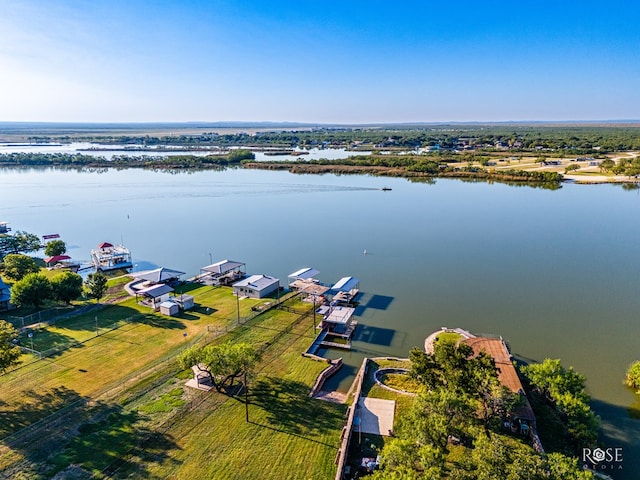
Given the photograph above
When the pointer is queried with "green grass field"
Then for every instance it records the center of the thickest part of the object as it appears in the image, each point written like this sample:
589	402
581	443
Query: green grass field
123	408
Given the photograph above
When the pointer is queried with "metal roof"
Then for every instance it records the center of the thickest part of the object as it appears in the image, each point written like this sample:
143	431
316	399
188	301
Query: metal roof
158	275
346	284
5	295
304	273
309	287
258	282
223	266
340	315
156	291
57	258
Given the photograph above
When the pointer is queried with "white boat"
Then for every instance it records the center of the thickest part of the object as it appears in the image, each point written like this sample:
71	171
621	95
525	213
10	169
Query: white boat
111	257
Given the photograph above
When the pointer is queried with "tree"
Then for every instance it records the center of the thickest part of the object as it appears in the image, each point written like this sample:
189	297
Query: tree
223	363
66	287
96	285
20	242
566	389
33	289
632	379
562	467
9	351
571	168
607	165
16	266
55	247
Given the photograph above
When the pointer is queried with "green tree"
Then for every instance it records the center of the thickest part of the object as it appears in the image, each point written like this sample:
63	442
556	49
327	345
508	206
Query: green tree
571	168
34	289
566	388
66	287
9	351
16	266
95	285
55	247
562	467
632	378
19	242
607	165
223	363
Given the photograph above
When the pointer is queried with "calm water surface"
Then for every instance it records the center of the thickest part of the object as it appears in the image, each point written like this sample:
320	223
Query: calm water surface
554	272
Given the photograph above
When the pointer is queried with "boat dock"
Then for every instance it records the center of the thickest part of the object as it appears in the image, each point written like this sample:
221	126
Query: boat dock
320	341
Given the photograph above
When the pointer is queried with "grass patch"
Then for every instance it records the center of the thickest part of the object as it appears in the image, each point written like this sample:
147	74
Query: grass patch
166	402
448	337
400	381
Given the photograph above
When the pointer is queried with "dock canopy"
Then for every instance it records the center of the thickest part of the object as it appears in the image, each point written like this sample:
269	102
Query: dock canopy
305	273
56	259
159	275
223	267
338	314
346	284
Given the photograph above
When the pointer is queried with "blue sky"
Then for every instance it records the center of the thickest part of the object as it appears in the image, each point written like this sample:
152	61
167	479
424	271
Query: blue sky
320	62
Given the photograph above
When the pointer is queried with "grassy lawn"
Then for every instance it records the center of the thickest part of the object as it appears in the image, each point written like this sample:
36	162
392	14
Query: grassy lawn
92	363
449	337
154	427
289	435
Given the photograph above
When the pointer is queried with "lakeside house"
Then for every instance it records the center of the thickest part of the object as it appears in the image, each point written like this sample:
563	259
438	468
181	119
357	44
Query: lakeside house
111	257
256	286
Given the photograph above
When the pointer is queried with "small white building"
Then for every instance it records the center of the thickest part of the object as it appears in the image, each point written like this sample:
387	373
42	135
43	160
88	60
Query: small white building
186	302
256	286
169	308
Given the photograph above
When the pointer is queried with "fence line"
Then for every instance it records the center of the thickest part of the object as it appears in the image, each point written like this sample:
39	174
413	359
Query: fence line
111	391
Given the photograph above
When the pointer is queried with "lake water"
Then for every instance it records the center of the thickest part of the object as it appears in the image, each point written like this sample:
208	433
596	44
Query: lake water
110	151
554	272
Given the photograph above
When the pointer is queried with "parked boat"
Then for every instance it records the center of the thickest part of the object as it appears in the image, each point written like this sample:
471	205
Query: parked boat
111	257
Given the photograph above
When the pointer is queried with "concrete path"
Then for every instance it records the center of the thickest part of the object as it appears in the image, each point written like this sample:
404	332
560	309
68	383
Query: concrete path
376	416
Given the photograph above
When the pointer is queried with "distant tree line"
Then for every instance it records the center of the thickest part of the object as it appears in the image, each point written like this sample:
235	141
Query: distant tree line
581	139
28	159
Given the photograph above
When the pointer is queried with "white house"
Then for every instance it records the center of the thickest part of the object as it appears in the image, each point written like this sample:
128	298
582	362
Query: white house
256	286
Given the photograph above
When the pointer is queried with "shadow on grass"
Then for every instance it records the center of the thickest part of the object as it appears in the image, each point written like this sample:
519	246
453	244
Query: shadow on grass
116	443
290	410
49	343
74	433
31	407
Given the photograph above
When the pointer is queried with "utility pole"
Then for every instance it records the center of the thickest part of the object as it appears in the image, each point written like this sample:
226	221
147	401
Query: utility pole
238	306
246	398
